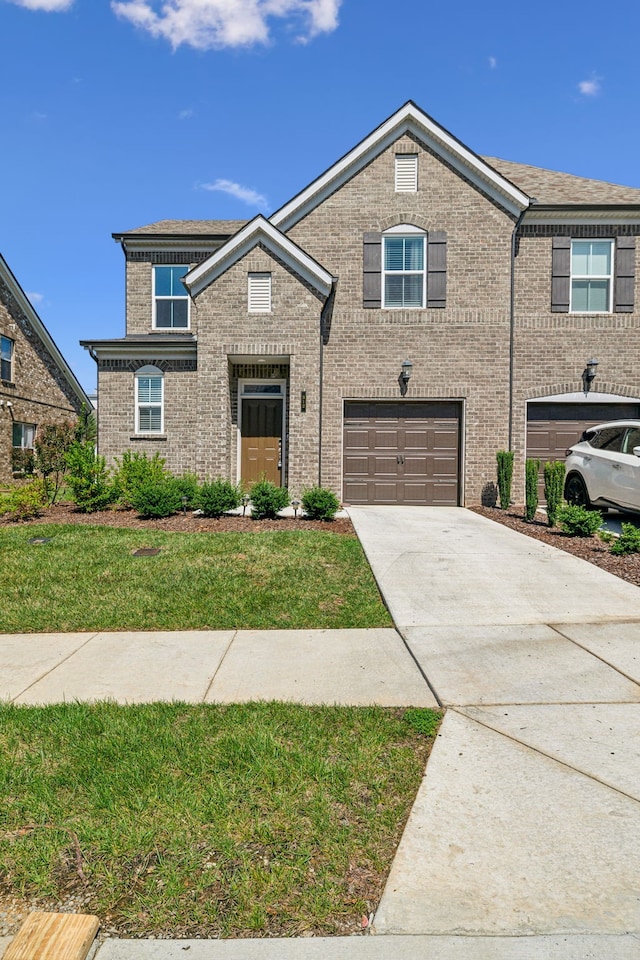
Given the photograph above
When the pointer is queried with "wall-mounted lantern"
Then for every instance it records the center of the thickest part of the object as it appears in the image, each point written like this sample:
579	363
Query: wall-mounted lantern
589	375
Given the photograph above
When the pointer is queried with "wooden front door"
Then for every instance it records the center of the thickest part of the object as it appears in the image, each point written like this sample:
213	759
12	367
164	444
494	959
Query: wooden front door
261	446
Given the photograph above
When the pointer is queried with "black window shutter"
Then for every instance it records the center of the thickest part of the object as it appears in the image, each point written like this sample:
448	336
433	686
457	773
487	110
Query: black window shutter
561	274
372	277
625	274
437	268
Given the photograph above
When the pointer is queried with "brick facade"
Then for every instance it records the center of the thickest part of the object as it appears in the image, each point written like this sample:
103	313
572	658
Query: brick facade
40	390
492	347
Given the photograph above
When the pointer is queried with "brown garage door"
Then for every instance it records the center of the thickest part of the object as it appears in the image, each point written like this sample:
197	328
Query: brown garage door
395	452
553	427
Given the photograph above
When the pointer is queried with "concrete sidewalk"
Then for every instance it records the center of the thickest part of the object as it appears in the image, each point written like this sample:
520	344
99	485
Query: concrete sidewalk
524	840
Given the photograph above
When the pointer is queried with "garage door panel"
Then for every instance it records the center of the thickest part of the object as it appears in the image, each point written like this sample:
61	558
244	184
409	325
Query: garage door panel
413	452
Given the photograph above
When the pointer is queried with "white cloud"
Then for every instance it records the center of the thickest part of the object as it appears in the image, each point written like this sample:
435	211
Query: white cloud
589	88
493	63
246	194
36	297
50	6
213	24
186	114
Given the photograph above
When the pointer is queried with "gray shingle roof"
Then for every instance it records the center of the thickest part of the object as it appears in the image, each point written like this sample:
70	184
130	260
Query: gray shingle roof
186	228
552	187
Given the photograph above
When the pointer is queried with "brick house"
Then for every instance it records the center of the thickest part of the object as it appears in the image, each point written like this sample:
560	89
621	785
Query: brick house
36	383
413	310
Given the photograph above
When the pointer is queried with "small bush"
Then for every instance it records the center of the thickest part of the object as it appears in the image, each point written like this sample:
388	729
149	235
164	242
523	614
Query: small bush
23	461
217	497
628	541
531	470
158	498
505	473
578	521
189	487
554	471
267	500
89	478
24	502
320	504
135	470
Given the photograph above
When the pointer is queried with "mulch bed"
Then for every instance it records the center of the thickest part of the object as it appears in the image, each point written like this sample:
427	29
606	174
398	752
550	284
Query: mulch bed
182	523
587	548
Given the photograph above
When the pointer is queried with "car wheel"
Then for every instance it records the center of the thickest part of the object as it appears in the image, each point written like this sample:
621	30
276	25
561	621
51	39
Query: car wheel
575	491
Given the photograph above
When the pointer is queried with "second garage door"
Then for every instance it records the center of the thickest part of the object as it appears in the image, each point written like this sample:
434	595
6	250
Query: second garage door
401	452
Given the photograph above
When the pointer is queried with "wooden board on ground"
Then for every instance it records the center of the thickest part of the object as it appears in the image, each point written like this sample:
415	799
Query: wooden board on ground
53	936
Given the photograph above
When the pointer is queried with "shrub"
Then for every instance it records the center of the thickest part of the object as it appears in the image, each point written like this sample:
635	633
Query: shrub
53	442
135	470
23	461
554	472
158	498
578	521
89	478
25	501
505	473
217	497
531	470
189	487
628	541
267	500
320	504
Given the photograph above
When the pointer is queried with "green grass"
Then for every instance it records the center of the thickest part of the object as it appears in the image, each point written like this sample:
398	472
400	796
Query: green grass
86	578
252	820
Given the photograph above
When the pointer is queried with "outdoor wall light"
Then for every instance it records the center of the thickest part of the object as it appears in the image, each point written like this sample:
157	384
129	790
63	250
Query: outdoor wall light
405	375
296	506
588	375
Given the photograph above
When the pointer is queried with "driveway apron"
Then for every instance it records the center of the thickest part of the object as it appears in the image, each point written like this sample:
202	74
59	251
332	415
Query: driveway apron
527	822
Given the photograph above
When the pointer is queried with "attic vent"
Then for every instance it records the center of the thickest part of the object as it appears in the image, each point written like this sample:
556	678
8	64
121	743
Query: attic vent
406	173
259	293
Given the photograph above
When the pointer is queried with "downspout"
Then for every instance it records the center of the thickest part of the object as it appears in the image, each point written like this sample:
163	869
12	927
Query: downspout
325	323
512	320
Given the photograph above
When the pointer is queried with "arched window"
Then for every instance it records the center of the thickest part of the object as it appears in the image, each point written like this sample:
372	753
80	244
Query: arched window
149	400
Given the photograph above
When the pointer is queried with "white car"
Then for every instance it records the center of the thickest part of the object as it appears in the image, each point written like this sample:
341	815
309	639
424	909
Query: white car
603	469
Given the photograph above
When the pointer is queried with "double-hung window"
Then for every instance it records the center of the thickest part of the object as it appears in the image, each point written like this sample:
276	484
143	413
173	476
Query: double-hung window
403	261
591	276
6	358
149	400
170	297
24	435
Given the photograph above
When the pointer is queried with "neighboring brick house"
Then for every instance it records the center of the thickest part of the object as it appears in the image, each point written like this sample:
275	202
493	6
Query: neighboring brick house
36	383
282	351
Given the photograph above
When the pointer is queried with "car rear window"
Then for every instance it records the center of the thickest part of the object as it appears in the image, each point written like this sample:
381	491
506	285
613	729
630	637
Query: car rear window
607	438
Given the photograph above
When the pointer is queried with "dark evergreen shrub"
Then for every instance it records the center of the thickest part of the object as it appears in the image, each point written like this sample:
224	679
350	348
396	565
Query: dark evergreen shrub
217	497
554	472
505	473
159	498
531	469
267	500
320	504
578	521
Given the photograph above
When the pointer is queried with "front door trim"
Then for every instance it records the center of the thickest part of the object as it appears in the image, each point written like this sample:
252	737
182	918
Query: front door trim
254	389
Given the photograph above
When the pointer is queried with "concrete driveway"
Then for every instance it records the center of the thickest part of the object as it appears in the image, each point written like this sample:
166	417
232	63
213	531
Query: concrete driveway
528	820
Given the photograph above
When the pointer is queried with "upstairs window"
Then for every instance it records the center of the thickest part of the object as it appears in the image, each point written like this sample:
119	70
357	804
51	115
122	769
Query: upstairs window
6	359
406	173
149	400
404	270
259	293
171	300
591	276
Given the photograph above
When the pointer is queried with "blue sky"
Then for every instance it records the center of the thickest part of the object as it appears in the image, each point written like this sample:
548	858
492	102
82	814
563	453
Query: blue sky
117	114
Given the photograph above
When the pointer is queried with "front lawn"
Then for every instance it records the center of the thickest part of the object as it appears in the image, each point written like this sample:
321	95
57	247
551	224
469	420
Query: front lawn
85	578
214	821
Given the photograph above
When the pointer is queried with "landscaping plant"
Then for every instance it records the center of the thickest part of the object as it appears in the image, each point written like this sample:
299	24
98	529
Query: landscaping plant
267	500
52	444
320	504
578	521
217	497
554	471
531	470
158	498
505	473
25	501
628	541
89	478
135	470
189	489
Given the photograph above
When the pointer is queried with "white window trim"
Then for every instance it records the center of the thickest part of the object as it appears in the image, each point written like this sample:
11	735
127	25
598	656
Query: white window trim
244	391
256	292
592	276
155	298
406	174
404	230
149	371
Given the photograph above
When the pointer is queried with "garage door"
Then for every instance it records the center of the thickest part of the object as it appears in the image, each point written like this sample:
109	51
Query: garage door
402	453
553	427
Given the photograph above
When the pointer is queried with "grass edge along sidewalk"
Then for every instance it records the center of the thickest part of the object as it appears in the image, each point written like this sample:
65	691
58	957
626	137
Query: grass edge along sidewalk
86	578
263	819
